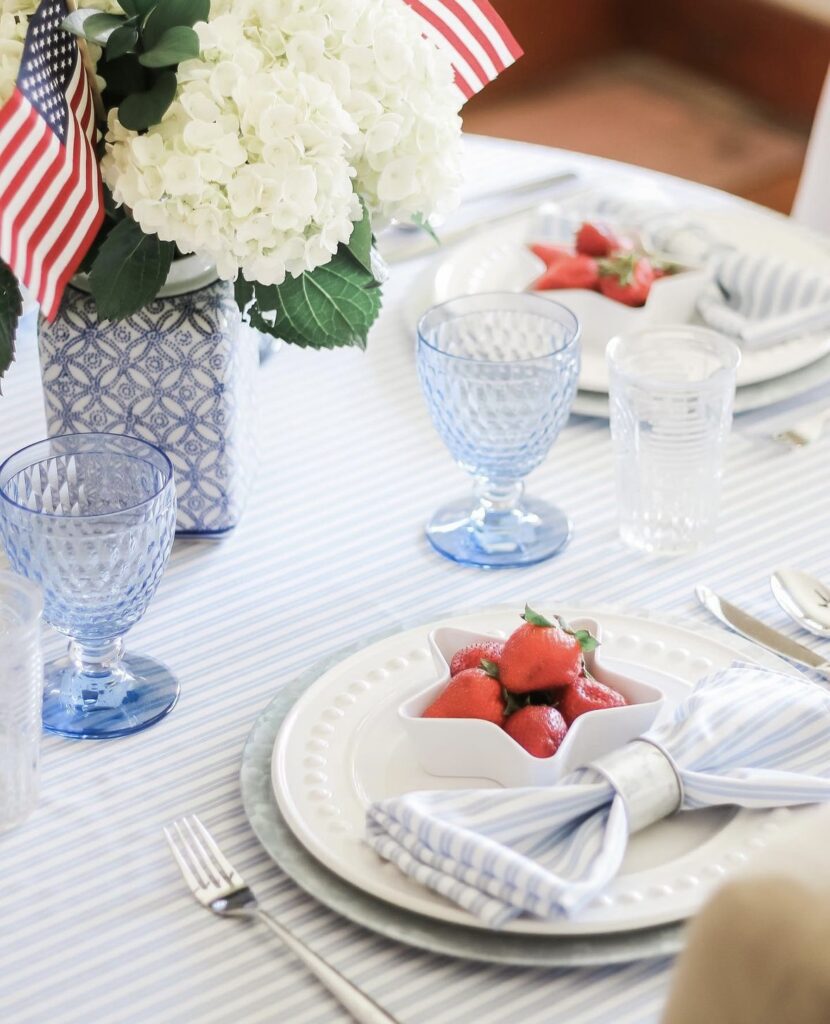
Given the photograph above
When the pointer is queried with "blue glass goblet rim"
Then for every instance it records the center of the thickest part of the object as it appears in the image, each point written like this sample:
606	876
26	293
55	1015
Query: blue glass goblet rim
17	461
500	302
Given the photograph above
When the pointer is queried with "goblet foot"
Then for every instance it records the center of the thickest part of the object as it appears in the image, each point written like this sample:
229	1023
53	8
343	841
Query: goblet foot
134	693
531	532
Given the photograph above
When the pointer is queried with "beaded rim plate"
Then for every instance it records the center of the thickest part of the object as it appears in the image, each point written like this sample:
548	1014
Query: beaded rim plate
342	745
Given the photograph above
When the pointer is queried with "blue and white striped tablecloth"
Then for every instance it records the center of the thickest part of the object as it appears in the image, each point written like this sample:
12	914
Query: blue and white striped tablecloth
96	924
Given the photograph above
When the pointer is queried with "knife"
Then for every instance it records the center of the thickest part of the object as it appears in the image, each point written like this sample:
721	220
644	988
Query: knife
761	634
397	250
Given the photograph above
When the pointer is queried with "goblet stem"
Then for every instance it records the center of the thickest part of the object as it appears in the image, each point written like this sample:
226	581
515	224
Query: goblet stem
95	675
97	658
497	518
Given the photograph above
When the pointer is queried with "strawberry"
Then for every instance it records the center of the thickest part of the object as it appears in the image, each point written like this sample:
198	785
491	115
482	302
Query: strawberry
626	277
587	694
592	240
473	655
540	655
569	272
549	253
470	694
538	729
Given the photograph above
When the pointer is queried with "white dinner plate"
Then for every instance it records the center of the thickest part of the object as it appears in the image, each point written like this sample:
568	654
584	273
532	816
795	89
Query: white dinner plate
498	260
343	746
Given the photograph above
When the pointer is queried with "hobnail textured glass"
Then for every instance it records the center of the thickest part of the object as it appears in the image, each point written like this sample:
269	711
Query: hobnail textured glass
91	518
499	373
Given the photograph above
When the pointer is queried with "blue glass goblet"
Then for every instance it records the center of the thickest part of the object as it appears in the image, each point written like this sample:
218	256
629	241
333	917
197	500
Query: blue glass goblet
499	372
91	518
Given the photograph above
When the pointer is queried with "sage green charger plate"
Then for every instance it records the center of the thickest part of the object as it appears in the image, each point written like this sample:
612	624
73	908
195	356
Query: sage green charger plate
404	926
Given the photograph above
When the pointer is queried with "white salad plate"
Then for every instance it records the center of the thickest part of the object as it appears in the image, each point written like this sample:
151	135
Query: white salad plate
343	745
498	260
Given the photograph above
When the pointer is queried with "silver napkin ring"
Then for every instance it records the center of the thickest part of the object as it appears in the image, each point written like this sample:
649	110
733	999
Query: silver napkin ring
646	780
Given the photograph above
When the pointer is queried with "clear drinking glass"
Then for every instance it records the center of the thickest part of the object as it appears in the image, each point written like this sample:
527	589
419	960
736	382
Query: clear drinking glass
499	373
21	696
90	518
671	392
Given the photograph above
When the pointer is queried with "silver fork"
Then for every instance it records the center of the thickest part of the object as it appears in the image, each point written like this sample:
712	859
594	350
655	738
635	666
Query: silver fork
218	886
805	432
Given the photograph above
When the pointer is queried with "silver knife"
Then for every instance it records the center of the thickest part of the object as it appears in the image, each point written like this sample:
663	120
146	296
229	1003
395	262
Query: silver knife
757	631
396	250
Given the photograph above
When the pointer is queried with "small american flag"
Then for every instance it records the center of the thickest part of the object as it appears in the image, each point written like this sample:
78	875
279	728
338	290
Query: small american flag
51	198
475	36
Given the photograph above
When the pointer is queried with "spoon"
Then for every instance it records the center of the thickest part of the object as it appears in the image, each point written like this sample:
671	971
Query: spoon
804	598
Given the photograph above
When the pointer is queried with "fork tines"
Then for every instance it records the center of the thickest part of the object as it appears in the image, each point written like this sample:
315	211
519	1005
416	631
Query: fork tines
205	868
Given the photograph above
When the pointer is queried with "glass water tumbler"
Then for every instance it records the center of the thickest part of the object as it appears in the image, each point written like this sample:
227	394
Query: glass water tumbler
671	392
90	518
21	696
499	372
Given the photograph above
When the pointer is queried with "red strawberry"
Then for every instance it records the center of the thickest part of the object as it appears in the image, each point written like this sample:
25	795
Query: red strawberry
588	694
592	240
472	656
569	272
626	277
470	694
540	655
549	253
537	728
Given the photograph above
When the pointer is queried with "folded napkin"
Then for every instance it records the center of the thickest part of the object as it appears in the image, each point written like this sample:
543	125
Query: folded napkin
761	301
745	736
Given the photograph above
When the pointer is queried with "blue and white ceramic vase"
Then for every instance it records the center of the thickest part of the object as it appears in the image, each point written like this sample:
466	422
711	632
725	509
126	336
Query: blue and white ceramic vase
180	373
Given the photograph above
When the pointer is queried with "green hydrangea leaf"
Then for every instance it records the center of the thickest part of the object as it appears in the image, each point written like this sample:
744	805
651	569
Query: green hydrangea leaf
330	307
121	41
141	110
177	44
172	14
11	306
92	25
128	271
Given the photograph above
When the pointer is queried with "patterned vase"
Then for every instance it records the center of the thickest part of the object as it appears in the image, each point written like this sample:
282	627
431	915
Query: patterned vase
180	373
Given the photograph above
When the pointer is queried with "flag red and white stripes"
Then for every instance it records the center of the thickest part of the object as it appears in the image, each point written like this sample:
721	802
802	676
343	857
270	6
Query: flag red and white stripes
51	197
474	34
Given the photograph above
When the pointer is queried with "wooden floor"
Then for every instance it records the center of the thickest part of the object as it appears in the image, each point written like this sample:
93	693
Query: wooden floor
643	110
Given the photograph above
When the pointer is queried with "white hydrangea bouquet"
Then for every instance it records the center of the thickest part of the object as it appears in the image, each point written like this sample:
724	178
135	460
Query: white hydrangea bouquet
271	137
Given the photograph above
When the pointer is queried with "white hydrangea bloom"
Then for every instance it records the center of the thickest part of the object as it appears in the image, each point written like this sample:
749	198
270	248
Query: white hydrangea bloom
292	110
14	15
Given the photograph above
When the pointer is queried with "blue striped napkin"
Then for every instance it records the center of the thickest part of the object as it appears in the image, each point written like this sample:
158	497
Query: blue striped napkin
745	736
761	301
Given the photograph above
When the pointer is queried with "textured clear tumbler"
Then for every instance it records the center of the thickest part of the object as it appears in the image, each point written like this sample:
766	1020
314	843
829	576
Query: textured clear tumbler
671	393
499	373
21	696
90	518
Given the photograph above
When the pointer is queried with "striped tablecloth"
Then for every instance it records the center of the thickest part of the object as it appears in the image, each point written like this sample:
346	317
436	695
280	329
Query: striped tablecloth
96	923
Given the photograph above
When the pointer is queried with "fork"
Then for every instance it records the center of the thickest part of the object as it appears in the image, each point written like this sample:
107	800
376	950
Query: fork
805	432
216	884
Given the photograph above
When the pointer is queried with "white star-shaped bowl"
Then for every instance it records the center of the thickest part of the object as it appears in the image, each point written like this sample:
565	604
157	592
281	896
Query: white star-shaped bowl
473	748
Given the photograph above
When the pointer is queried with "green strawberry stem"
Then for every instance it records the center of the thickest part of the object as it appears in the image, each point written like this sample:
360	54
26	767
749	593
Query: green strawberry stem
490	667
534	618
587	641
621	265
